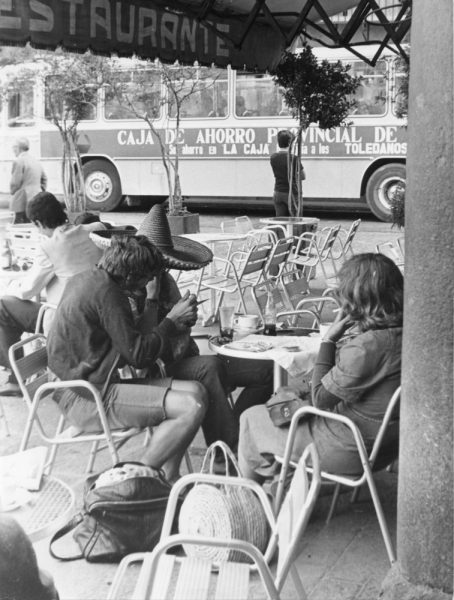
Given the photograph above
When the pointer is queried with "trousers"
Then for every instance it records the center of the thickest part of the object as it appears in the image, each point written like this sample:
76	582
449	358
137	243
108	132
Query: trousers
17	316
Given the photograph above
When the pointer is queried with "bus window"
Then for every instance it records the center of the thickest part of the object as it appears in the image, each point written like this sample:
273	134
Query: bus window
20	108
202	92
371	93
258	95
137	93
56	106
399	93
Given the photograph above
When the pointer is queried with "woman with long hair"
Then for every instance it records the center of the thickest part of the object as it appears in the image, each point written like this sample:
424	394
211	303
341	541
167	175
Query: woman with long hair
356	372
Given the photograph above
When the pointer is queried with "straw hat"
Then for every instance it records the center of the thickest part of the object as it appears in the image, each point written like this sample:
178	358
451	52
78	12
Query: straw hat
103	237
179	252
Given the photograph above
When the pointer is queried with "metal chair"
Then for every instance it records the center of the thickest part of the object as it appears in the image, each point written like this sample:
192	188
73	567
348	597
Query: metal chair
345	240
231	578
310	312
29	363
235	274
314	250
374	460
392	250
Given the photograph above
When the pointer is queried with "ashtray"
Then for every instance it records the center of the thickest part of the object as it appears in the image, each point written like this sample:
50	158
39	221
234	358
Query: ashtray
218	340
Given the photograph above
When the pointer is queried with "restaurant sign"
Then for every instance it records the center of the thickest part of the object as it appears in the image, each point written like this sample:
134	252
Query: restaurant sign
140	27
236	142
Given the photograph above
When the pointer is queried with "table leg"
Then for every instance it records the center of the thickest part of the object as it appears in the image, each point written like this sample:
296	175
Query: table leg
279	376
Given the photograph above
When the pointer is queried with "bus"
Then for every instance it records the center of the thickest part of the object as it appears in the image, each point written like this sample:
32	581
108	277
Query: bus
228	132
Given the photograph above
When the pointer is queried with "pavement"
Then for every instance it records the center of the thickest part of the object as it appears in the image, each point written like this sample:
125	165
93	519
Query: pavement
343	560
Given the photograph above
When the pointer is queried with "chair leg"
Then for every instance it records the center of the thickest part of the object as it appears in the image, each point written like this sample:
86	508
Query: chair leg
333	503
187	458
381	519
300	591
54	448
5	422
91	457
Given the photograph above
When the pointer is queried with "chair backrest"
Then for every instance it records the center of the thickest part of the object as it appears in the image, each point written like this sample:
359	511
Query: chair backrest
296	510
44	318
323	307
326	244
229	226
295	286
243	224
255	260
28	360
259	293
278	257
351	235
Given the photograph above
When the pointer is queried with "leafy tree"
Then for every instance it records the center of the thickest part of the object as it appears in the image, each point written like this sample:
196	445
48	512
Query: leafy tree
137	91
315	92
71	83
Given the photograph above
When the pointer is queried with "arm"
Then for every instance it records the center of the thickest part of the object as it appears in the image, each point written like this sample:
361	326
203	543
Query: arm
17	176
38	277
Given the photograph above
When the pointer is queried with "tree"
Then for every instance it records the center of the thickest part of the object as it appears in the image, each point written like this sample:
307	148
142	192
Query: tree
320	93
71	83
137	91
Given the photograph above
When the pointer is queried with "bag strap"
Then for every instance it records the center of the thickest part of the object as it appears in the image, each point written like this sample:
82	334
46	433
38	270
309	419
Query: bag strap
70	525
229	459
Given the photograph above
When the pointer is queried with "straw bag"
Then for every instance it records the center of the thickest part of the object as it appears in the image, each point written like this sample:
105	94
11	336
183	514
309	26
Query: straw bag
222	512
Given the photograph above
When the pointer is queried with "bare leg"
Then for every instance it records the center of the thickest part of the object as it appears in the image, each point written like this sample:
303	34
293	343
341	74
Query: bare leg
185	406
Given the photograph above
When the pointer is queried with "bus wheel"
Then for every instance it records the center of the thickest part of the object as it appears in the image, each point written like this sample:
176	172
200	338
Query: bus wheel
382	186
102	185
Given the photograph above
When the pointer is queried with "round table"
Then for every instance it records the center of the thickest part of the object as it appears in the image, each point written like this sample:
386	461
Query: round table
290	222
47	510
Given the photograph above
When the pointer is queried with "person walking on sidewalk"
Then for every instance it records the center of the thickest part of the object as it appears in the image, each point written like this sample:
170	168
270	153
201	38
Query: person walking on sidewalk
27	179
284	165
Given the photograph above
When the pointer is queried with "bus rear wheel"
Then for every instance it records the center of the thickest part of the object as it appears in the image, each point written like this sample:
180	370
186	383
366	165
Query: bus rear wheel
382	186
102	185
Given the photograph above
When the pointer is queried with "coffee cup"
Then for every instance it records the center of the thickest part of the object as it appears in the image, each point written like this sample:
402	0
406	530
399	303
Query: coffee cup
246	321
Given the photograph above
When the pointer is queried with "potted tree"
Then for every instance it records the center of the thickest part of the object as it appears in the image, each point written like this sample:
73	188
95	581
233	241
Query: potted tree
320	93
137	91
71	83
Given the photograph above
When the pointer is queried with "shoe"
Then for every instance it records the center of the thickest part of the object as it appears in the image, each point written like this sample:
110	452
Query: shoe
10	389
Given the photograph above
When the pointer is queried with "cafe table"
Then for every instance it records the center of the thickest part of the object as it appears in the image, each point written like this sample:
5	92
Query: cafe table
292	355
291	222
41	513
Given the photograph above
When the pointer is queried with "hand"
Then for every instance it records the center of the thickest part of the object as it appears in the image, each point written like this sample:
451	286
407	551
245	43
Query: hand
338	328
184	312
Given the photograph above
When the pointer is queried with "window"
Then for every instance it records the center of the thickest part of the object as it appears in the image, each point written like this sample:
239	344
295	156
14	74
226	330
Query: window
399	93
371	93
258	95
61	103
136	93
20	108
201	92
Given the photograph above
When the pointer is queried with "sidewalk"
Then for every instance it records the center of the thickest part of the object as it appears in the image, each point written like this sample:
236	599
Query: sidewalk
344	560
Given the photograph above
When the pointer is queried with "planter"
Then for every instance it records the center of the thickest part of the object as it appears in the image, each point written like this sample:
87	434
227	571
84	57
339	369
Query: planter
188	223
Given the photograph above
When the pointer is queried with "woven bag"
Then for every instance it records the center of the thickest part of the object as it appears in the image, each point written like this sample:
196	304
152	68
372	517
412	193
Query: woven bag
222	512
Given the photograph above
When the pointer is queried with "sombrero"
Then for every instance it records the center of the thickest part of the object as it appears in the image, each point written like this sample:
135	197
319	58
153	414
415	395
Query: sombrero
103	237
179	252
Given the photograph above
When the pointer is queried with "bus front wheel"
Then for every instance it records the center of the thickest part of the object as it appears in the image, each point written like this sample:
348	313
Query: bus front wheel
382	186
102	185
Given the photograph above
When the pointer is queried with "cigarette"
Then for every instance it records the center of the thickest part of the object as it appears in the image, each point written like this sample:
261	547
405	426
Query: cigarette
335	310
201	301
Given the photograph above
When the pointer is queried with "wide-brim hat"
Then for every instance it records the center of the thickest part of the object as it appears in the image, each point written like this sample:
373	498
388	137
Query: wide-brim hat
103	237
179	252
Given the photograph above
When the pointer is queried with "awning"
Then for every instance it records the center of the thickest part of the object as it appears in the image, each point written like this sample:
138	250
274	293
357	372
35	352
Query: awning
242	33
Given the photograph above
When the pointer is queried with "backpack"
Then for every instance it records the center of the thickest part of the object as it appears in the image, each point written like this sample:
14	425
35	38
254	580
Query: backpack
123	512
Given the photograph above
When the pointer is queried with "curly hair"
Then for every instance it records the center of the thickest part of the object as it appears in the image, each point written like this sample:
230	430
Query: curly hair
370	291
45	208
130	258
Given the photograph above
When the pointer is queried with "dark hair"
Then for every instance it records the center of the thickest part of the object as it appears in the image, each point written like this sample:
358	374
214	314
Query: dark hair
130	258
46	209
86	218
284	138
371	290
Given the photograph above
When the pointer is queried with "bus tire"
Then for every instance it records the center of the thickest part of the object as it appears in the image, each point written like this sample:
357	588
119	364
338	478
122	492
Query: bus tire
381	186
102	185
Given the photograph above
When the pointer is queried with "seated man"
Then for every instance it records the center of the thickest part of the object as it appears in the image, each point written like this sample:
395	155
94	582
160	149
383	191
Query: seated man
94	325
20	576
64	251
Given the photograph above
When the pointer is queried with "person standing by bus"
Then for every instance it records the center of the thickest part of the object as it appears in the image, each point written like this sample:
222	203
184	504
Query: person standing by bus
284	165
27	179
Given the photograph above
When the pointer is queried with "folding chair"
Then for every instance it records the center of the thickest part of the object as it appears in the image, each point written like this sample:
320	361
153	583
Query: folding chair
232	579
375	460
345	240
315	249
29	363
241	271
310	312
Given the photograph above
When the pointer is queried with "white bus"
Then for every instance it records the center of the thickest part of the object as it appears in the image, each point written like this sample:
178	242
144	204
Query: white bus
228	132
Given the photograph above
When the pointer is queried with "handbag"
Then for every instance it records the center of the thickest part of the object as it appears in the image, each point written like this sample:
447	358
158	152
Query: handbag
284	403
225	512
123	512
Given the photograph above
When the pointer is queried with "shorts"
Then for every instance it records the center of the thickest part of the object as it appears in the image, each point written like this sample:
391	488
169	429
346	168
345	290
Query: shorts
135	403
